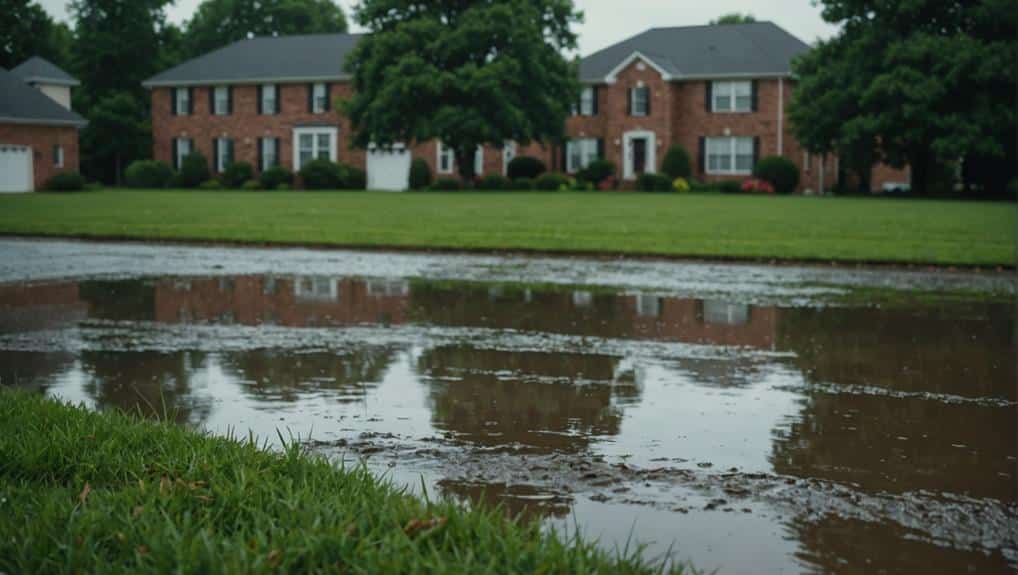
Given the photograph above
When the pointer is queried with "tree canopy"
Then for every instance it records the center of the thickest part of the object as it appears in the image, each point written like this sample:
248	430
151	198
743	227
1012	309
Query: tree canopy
27	30
217	23
734	18
466	73
924	83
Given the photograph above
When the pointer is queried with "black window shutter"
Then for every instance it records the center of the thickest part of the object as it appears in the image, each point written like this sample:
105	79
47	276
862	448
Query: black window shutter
173	102
261	108
594	95
600	148
174	146
229	99
190	101
215	155
710	96
311	98
261	155
229	152
277	161
756	151
703	153
629	105
756	99
328	97
646	92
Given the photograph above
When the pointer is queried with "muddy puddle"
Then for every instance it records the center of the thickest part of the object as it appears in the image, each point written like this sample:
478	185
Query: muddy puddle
743	418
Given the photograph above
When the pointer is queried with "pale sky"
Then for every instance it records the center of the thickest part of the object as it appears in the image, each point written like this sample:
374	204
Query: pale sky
609	21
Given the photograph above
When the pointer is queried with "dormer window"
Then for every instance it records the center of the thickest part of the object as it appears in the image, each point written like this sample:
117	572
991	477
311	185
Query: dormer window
639	101
732	96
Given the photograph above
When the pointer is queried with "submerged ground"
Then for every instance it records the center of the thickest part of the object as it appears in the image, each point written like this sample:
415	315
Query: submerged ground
692	225
744	418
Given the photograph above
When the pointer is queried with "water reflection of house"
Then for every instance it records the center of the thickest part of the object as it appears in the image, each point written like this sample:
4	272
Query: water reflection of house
712	322
289	301
30	307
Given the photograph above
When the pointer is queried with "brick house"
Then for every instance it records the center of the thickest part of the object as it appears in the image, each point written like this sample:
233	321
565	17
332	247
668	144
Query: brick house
719	91
38	129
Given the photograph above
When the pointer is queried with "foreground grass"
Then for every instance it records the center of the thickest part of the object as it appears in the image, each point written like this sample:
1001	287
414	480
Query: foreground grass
82	492
697	225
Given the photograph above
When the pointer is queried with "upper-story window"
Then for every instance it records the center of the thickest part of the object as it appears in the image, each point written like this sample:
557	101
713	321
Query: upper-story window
732	96
639	101
268	102
182	101
319	98
221	100
588	102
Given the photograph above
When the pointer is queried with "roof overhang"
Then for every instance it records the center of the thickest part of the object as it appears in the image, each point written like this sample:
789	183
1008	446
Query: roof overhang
43	122
243	81
51	81
612	76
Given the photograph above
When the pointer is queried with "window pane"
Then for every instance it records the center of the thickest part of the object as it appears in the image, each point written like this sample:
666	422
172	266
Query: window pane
587	101
305	157
744	146
307	142
572	155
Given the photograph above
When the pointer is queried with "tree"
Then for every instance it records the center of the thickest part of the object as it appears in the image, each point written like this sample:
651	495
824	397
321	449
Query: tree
466	73
118	132
217	23
933	82
733	18
26	30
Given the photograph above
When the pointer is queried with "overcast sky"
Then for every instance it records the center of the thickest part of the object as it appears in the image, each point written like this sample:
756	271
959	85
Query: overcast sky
609	21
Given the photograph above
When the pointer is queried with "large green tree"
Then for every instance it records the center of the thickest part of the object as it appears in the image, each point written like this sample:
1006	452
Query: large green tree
467	73
733	18
119	132
217	23
923	83
26	30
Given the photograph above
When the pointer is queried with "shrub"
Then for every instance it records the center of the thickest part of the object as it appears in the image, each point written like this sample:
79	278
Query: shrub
654	183
66	182
353	178
729	187
551	182
251	185
523	184
210	185
680	185
781	172
148	174
235	174
676	163
756	186
276	176
194	169
420	174
597	172
321	175
494	182
525	167
446	184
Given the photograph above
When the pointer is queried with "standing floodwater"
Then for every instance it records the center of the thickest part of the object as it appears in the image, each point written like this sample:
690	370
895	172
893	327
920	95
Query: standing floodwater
752	419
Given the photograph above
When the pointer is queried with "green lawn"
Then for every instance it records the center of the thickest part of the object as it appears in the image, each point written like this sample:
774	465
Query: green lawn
82	492
696	225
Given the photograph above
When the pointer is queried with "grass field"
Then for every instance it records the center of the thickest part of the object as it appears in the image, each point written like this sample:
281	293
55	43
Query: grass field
695	225
82	492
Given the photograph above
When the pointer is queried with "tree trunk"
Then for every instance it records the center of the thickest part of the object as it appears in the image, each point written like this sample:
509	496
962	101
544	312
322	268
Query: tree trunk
465	163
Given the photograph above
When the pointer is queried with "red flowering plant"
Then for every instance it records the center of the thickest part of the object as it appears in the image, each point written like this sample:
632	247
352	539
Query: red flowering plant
757	186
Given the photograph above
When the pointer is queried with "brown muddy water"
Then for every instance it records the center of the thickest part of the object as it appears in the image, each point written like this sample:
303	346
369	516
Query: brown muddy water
746	419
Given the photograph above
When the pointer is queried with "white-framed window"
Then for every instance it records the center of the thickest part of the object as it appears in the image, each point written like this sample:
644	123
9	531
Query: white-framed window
224	153
58	156
508	154
639	101
270	155
732	156
588	105
270	101
725	313
183	146
221	101
648	305
183	98
580	153
316	288
319	98
446	159
479	161
732	96
313	143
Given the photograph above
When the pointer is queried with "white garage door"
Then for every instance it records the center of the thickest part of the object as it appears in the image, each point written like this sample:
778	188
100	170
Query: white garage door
15	169
388	168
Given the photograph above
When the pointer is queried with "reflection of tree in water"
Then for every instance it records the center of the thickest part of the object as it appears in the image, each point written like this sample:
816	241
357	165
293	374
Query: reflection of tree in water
286	376
152	383
498	398
526	502
119	299
32	370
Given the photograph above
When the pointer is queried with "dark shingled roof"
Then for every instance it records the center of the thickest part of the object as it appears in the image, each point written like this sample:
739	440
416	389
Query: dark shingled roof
38	70
757	49
23	104
265	59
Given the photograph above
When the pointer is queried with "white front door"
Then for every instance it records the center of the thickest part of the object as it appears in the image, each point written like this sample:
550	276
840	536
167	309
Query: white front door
388	168
16	169
639	150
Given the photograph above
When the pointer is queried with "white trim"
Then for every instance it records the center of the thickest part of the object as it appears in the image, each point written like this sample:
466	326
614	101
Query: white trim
58	152
612	76
439	148
239	81
314	131
509	150
781	116
43	122
51	81
650	166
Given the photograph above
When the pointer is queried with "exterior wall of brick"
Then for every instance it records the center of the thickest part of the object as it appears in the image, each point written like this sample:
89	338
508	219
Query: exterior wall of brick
42	139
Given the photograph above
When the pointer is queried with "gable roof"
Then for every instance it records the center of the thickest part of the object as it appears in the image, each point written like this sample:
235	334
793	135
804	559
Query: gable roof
23	104
38	70
756	49
302	58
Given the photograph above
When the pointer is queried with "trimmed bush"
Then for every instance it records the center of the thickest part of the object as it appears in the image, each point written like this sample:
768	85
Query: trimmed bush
420	174
276	176
654	183
210	185
676	163
729	187
251	185
194	169
321	175
66	182
780	172
681	185
551	182
494	182
525	167
596	172
446	184
522	184
236	174
354	178
148	174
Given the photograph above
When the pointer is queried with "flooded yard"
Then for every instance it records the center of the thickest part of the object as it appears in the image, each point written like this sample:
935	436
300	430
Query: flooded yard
742	418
